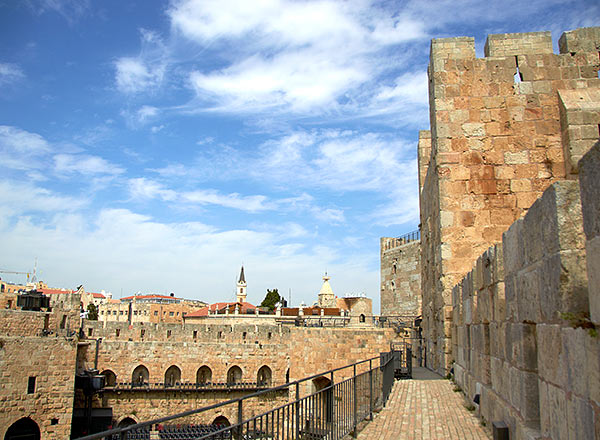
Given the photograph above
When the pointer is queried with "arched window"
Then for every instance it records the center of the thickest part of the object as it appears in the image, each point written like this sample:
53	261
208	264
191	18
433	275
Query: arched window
234	375
204	375
111	378
361	318
23	429
287	376
127	421
172	376
221	421
140	375
263	378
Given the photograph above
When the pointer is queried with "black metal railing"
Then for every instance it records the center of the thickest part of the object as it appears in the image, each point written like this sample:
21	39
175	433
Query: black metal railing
410	236
331	412
187	386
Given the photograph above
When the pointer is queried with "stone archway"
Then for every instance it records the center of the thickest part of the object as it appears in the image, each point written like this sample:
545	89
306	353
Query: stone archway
234	375
140	375
172	376
23	429
111	378
204	375
264	376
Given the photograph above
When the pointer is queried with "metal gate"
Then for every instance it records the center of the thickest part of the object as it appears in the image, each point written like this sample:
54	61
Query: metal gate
402	354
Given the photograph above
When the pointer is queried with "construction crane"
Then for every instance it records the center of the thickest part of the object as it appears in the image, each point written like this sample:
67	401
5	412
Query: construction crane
15	272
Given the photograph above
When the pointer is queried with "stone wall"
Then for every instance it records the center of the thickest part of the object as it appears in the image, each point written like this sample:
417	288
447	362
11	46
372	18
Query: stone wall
48	361
523	319
400	277
288	351
503	128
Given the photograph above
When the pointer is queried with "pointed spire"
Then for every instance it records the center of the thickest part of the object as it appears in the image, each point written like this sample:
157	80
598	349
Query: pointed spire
242	279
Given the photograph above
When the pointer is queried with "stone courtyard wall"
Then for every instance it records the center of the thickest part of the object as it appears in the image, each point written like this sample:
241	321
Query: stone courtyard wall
503	129
525	322
25	353
400	277
287	350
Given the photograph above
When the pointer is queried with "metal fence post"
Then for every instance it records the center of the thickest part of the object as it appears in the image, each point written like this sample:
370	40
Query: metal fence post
297	406
370	390
240	419
355	409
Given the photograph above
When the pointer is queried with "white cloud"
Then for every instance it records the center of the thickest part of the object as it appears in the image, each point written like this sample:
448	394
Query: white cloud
143	188
146	71
234	200
133	75
292	56
84	164
20	199
9	73
20	149
145	112
124	251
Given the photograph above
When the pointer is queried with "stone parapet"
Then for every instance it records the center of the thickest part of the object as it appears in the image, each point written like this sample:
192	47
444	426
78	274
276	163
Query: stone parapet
503	45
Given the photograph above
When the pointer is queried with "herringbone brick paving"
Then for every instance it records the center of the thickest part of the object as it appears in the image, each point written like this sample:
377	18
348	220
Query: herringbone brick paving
425	410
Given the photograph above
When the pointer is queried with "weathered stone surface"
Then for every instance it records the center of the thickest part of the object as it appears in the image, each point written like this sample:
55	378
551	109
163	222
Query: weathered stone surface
400	277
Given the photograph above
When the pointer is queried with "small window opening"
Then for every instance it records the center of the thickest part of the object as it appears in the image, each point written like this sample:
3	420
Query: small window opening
90	332
118	332
63	322
31	385
518	75
54	421
219	335
195	334
168	333
143	332
244	335
270	334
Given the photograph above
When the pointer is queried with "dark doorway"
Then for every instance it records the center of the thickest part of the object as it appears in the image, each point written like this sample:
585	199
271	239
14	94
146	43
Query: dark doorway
23	429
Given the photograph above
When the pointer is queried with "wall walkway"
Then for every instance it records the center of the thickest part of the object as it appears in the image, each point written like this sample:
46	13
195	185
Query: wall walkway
425	408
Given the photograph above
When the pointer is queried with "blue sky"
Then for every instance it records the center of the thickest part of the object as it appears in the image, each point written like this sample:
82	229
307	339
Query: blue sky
155	146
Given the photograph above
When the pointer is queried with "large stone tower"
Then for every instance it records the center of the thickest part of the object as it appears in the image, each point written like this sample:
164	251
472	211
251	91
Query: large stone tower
241	288
326	296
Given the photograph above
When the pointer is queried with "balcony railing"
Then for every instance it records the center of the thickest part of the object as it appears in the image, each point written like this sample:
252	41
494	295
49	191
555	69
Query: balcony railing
410	236
332	412
186	386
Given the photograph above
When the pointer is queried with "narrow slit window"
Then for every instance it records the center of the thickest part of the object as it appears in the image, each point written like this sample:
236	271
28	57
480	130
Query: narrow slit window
31	385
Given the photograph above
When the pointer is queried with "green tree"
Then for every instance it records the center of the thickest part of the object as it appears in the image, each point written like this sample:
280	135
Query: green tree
92	312
271	299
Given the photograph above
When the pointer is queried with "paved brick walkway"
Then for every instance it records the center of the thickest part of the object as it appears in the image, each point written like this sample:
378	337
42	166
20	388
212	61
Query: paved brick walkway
425	409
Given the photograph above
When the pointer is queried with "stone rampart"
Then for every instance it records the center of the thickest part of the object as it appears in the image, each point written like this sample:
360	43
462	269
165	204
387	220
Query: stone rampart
38	374
289	352
522	337
503	129
400	277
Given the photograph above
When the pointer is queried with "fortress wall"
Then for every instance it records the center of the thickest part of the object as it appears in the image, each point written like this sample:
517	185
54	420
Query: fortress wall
51	360
497	142
521	317
400	277
301	351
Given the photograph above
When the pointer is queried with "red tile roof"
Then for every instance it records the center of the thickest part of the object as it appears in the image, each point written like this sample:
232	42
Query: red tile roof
54	291
151	296
97	295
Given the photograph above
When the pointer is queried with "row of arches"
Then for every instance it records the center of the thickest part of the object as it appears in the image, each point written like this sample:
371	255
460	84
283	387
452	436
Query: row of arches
204	375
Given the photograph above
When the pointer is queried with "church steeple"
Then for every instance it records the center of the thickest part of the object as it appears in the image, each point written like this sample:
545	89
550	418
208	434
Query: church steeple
326	296
241	287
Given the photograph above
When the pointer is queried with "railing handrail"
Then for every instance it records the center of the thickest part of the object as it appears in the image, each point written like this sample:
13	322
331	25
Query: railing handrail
410	236
287	385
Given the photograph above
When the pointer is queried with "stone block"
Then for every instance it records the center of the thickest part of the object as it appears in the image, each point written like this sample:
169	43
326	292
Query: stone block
589	178
528	293
580	420
512	248
551	357
581	362
524	394
553	411
524	346
593	270
498	301
511	297
563	284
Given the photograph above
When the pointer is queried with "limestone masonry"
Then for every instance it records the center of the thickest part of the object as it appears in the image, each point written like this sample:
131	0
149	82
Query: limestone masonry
510	238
